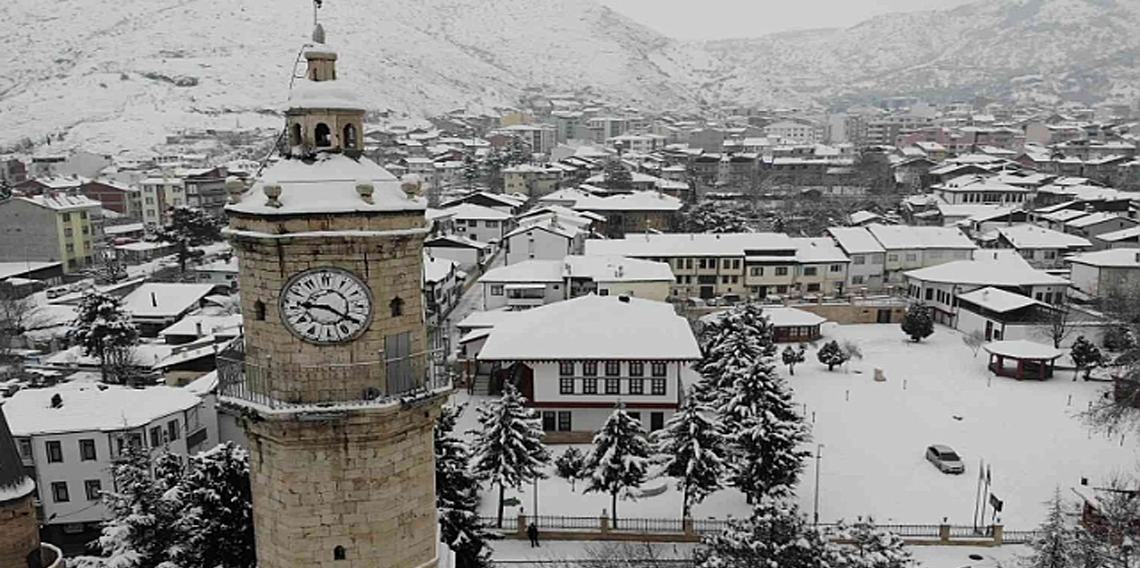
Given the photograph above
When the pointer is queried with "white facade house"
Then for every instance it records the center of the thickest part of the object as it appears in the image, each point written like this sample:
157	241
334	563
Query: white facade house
468	253
908	248
69	435
865	272
443	286
1094	224
1100	273
999	315
575	360
158	196
1042	248
523	285
479	223
980	189
793	132
938	286
550	240
222	272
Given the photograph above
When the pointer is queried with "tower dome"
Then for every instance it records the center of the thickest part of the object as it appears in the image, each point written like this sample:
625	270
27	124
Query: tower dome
322	115
19	528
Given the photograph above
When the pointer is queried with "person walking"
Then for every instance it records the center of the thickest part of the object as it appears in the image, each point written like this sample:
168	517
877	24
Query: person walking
532	533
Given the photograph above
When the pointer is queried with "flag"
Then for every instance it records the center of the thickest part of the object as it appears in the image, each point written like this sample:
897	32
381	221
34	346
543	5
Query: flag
981	470
988	479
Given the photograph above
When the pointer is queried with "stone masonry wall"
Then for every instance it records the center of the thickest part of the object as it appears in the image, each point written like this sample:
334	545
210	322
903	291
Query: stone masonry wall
365	483
19	532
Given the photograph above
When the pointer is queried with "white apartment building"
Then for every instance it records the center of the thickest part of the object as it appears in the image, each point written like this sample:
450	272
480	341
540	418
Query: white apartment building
865	272
158	196
910	248
793	132
69	435
479	223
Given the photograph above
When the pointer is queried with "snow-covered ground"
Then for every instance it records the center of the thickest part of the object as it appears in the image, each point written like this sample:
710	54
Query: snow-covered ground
874	436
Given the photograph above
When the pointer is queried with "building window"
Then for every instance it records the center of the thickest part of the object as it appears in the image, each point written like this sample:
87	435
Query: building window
657	387
496	289
590	386
549	419
259	310
836	268
590	368
656	421
757	271
911	257
173	430
156	436
781	271
929	294
892	258
492	224
68	233
26	449
54	452
613	386
339	553
636	369
736	264
613	368
564	421
396	306
859	259
809	271
566	368
566	385
323	135
856	280
349	136
813	287
93	488
657	369
59	492
637	386
67	217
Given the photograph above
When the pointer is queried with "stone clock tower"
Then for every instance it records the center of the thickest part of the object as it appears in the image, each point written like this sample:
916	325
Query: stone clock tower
334	376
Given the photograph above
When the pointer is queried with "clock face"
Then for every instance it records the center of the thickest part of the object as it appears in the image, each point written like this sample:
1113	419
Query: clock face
326	305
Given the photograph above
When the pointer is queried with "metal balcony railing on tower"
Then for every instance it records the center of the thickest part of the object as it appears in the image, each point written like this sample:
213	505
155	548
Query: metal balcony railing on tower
250	379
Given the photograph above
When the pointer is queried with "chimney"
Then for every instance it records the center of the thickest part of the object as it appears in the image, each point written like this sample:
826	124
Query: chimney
198	327
153	300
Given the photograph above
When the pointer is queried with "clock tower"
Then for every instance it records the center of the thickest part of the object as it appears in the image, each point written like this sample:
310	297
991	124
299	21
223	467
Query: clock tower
334	377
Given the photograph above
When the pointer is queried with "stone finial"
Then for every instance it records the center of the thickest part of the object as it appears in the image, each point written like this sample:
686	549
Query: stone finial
364	190
411	188
234	187
273	192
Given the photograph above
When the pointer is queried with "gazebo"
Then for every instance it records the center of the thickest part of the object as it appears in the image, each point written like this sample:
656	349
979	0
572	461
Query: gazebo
1034	360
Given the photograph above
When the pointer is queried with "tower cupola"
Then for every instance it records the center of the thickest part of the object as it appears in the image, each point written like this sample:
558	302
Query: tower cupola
323	115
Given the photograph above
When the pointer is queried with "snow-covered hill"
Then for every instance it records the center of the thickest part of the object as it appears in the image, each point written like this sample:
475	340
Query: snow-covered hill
121	75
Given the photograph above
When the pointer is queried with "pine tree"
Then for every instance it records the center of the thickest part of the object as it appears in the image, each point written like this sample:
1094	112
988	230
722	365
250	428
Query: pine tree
732	342
105	331
709	217
619	459
792	357
215	523
691	449
457	495
470	171
866	546
189	228
774	536
508	446
1055	546
616	177
570	465
139	532
764	432
831	354
918	323
1085	356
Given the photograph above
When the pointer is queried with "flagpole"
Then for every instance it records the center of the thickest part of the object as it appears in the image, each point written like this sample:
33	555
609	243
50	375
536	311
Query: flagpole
978	492
984	493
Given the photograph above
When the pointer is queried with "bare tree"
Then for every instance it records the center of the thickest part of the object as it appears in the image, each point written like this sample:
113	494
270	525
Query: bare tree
18	315
628	555
974	340
1119	408
1055	323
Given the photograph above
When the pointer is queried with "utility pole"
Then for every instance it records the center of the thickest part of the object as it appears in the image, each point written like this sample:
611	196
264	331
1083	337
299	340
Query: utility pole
815	507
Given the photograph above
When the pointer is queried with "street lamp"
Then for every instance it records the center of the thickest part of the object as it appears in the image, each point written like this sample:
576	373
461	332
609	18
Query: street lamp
815	508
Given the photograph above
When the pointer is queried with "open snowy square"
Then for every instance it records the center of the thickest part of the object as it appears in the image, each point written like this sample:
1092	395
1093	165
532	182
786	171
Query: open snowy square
874	435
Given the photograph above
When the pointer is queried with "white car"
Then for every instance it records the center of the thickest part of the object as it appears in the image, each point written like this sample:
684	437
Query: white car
945	459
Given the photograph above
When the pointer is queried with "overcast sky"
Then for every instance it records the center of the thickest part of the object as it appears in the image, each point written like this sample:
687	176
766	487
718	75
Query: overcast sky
718	19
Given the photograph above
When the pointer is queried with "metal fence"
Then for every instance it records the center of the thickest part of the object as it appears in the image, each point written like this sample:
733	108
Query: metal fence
648	526
1020	537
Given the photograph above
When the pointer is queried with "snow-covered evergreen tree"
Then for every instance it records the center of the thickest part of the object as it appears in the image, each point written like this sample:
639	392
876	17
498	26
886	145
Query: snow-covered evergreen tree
188	228
570	464
731	343
918	323
104	331
1085	356
143	511
508	446
774	536
866	546
831	354
616	176
1056	544
691	449
620	458
764	432
709	217
215	522
457	495
792	357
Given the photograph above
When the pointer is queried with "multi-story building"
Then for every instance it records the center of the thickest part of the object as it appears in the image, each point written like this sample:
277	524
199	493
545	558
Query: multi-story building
868	257
1101	273
51	228
159	195
543	239
793	132
114	197
69	435
443	285
206	189
908	248
531	180
533	283
480	223
540	138
1040	247
981	189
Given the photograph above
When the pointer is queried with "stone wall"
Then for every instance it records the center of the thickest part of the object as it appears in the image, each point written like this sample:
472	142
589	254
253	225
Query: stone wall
846	314
364	481
19	532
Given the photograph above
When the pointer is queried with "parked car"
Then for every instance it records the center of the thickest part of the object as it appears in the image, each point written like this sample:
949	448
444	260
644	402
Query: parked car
945	459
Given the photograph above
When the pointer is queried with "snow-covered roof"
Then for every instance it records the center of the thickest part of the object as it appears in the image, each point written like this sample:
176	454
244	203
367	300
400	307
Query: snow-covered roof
594	327
1121	235
229	266
203	385
473	211
615	269
901	237
1023	349
551	224
1094	218
159	299
526	271
1111	258
997	300
860	217
991	268
229	325
457	240
326	184
323	94
62	202
1064	215
689	244
1034	237
489	318
120	229
9	269
856	240
817	250
636	201
437	269
93	407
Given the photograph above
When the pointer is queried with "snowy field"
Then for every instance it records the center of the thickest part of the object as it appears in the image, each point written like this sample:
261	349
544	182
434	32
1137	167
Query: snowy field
875	434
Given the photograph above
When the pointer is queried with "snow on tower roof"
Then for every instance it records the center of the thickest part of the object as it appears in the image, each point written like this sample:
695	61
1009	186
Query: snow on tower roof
93	407
594	327
327	184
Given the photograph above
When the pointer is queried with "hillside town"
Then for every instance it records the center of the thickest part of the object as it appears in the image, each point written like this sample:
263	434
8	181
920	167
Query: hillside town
898	334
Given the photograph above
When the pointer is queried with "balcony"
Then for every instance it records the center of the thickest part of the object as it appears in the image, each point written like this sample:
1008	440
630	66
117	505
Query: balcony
525	296
257	383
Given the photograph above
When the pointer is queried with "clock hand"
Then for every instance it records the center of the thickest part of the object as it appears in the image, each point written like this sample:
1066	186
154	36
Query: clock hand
331	310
